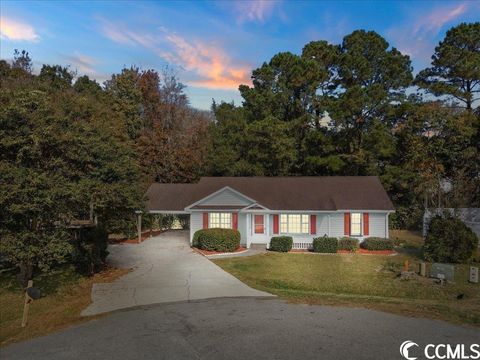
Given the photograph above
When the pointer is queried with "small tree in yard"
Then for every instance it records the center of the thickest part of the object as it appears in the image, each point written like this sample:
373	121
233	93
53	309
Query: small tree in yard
449	240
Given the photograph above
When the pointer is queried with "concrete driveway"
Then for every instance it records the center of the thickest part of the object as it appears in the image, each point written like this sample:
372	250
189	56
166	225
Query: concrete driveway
166	270
248	328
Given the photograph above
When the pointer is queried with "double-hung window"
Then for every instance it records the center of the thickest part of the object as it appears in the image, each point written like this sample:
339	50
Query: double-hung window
220	220
356	224
294	223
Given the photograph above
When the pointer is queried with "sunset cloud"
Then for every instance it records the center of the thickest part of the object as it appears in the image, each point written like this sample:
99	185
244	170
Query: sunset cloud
206	65
211	63
254	11
16	30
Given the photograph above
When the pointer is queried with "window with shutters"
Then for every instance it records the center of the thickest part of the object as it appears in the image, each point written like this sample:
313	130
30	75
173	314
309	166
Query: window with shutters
220	220
356	224
294	223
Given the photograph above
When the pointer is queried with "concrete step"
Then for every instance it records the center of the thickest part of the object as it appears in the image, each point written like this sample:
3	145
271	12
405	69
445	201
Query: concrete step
258	246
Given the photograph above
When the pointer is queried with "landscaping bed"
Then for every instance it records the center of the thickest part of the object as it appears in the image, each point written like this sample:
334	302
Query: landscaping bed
120	239
240	249
358	251
368	252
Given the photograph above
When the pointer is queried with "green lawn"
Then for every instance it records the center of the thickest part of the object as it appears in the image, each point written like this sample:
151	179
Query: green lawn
359	280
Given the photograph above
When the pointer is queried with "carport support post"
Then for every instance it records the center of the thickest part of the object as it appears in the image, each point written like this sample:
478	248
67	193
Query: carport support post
139	225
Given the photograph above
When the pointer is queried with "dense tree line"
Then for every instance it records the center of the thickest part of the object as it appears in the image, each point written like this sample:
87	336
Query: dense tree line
70	147
355	108
71	150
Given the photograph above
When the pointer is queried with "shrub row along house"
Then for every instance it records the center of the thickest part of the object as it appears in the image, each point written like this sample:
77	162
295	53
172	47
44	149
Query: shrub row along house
262	207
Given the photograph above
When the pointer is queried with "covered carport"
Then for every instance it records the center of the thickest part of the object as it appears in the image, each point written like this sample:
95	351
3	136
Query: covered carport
164	200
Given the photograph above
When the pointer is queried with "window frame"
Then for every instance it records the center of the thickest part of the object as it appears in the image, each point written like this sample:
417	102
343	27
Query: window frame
222	224
286	220
359	223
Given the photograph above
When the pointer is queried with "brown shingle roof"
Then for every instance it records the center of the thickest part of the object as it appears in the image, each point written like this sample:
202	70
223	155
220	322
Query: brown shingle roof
279	193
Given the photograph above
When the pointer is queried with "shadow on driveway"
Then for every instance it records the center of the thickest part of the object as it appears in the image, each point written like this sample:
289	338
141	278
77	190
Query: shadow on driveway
166	270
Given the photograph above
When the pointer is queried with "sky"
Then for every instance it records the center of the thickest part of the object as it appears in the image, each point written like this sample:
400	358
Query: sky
212	45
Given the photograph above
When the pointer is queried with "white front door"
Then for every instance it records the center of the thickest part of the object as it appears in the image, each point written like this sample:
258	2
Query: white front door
259	228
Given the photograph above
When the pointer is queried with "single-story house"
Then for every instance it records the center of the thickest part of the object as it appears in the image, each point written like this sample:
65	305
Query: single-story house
262	207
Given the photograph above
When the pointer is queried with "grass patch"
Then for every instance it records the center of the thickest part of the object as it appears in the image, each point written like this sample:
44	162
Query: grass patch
359	280
64	295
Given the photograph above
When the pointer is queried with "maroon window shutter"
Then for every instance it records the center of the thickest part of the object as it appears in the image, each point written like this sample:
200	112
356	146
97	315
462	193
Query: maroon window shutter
313	224
205	220
275	224
235	221
346	224
366	225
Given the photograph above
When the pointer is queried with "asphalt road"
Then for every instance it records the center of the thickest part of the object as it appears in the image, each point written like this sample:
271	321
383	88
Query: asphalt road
240	328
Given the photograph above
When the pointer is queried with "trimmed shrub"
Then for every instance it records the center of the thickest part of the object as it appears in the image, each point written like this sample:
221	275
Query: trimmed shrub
348	243
325	244
227	240
377	243
449	240
281	243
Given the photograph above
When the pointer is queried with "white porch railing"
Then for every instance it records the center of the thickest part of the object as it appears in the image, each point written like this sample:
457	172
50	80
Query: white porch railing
302	245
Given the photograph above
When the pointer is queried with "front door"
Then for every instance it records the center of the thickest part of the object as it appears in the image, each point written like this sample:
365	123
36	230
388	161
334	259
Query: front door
259	228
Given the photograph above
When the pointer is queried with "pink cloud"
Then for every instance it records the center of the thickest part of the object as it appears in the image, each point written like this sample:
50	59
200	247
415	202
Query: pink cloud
211	63
206	65
16	30
254	11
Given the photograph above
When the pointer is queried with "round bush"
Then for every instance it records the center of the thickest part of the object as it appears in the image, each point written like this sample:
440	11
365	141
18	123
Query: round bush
377	243
348	243
449	240
281	243
227	240
325	244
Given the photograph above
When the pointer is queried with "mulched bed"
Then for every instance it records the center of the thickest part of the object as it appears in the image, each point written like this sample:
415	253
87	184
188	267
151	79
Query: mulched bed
145	236
369	252
208	252
359	251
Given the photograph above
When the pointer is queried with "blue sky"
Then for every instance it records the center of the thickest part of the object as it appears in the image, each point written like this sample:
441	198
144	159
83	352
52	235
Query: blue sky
213	46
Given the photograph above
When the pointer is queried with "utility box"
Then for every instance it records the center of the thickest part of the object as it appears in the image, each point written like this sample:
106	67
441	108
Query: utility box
473	274
443	271
423	269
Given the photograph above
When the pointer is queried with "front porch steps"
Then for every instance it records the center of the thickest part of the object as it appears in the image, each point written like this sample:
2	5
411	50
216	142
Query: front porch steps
258	246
